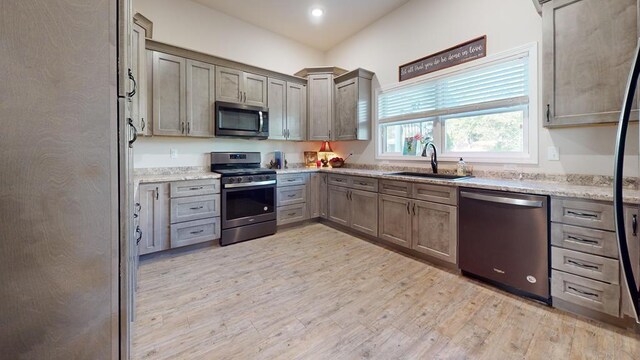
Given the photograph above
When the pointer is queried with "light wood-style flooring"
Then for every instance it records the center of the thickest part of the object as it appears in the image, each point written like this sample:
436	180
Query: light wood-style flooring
313	292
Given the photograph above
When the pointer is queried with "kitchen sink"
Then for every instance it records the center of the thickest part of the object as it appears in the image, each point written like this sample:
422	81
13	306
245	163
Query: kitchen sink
430	175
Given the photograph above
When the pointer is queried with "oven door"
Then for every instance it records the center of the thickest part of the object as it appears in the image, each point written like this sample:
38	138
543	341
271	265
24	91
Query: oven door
248	205
241	120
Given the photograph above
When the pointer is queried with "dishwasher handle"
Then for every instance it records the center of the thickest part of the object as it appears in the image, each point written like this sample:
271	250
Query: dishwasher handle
502	199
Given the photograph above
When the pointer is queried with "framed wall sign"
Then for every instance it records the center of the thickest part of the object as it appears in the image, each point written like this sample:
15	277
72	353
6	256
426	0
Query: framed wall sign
456	55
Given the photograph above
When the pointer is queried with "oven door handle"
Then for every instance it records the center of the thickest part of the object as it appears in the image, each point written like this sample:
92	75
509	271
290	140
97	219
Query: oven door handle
257	183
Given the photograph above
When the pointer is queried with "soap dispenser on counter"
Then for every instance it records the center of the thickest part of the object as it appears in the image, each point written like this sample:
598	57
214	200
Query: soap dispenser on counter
461	169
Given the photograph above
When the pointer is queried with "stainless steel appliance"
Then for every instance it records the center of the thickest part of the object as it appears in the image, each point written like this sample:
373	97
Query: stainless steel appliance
630	261
238	120
504	239
248	196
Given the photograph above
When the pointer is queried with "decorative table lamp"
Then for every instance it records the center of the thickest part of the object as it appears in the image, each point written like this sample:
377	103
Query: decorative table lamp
325	148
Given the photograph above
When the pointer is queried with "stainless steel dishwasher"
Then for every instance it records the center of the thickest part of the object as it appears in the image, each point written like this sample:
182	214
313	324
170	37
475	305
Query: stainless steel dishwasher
504	239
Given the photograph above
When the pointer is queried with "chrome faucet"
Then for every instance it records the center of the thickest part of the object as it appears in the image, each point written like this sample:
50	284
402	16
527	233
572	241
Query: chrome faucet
434	156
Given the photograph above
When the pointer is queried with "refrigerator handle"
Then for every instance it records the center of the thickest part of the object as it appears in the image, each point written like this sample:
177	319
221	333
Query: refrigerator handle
623	124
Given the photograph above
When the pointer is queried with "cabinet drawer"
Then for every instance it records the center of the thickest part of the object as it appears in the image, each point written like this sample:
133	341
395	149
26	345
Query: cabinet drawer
395	188
194	208
591	241
339	180
585	292
362	183
193	232
292	179
587	265
435	193
194	187
290	195
292	213
583	213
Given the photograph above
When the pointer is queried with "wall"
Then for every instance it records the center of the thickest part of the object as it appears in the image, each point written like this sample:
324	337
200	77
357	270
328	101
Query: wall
422	27
190	25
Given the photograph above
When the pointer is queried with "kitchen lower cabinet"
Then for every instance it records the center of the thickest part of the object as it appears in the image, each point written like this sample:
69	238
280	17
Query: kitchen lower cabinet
294	196
395	220
339	205
435	230
317	195
154	217
364	211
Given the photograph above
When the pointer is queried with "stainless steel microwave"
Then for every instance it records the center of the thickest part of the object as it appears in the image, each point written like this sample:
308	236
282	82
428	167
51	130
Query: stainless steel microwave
238	120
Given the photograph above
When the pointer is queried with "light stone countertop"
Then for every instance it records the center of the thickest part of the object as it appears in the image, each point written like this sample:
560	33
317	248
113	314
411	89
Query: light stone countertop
604	193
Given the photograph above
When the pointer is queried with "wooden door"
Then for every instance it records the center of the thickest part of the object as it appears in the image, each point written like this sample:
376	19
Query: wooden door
339	205
154	217
364	211
394	219
296	111
313	195
323	197
255	90
200	99
277	103
139	70
320	88
586	59
228	85
346	117
435	231
169	95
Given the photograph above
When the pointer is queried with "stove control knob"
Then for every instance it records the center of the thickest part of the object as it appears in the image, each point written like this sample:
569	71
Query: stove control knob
239	179
231	180
250	179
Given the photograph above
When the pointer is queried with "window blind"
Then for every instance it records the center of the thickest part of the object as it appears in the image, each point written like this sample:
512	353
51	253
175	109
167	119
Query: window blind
495	85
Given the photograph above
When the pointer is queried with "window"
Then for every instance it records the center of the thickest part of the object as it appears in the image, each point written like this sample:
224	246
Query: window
481	113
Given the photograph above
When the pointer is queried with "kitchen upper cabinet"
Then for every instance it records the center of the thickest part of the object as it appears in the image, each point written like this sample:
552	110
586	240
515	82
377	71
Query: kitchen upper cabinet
287	110
395	220
277	101
339	205
139	71
434	230
183	96
200	99
169	94
296	111
240	87
588	47
320	87
352	118
154	217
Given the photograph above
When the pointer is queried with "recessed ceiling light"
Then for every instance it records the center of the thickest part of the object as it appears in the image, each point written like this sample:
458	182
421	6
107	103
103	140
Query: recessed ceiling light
317	12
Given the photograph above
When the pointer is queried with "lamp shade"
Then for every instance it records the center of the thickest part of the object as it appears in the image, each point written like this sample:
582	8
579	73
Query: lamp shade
326	147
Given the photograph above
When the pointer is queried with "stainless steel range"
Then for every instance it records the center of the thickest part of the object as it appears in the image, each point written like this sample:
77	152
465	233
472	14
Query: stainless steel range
248	196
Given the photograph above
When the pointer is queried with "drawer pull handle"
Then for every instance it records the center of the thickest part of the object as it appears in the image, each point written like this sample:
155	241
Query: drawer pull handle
364	184
196	188
581	214
196	208
291	195
291	180
582	292
291	214
196	232
579	264
578	239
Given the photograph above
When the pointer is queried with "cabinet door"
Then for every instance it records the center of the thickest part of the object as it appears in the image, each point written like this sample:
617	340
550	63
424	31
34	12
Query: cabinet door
139	70
277	95
255	90
296	111
394	220
228	85
345	120
633	241
323	197
435	231
313	195
320	88
587	56
200	98
339	205
364	211
154	217
169	88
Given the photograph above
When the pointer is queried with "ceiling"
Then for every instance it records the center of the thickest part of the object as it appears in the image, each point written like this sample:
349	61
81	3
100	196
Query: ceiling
292	18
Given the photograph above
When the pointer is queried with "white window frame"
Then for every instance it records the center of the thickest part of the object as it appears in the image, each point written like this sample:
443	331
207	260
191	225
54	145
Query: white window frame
530	123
